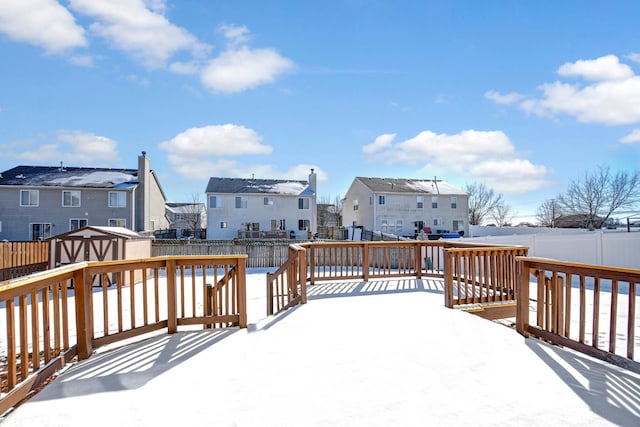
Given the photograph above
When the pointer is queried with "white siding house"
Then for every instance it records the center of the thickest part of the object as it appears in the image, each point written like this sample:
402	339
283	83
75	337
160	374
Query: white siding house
261	208
404	207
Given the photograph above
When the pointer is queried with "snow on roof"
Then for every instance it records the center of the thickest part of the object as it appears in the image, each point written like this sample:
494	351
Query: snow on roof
69	177
258	186
116	230
92	179
402	185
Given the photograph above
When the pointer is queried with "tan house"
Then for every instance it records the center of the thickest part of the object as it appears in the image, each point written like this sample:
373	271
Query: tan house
404	207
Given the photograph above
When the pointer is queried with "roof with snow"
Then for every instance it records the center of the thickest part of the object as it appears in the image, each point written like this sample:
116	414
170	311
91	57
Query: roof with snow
402	185
57	176
185	208
258	186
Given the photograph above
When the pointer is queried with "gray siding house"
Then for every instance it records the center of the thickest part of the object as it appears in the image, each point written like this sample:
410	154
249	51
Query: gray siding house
404	207
187	218
261	208
37	202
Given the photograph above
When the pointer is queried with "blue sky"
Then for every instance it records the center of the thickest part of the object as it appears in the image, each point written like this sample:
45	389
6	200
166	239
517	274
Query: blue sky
522	96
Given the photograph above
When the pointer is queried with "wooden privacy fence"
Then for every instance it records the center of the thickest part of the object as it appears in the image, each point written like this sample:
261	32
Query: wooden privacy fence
23	258
54	316
260	253
589	308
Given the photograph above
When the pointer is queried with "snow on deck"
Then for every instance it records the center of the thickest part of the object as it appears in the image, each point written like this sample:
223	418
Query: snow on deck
378	353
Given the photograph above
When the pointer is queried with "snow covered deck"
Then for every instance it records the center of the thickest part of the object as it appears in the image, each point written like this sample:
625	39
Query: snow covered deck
378	353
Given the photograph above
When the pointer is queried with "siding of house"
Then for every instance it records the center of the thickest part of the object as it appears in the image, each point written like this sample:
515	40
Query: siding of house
94	207
400	212
284	207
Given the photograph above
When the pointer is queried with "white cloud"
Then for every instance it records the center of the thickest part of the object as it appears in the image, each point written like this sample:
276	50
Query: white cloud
635	57
236	35
632	138
510	98
605	68
613	98
487	156
380	143
216	141
244	68
138	30
43	23
200	153
75	148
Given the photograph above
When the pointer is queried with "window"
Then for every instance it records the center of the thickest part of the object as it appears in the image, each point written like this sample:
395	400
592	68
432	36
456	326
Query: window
304	225
399	227
303	203
77	223
252	226
371	200
117	199
384	225
70	199
434	202
29	198
454	202
117	222
381	200
215	202
268	201
223	224
437	221
458	225
277	224
420	202
40	231
355	205
241	202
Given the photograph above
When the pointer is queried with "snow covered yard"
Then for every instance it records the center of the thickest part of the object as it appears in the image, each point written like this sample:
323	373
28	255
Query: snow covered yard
384	352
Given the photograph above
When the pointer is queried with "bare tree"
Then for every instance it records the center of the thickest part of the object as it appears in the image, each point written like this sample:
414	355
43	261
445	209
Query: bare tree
502	214
600	194
482	201
193	213
329	213
548	213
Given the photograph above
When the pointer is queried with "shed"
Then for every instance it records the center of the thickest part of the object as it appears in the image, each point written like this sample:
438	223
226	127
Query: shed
97	243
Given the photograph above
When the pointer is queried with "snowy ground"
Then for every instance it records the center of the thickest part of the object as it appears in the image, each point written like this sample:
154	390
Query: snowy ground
383	353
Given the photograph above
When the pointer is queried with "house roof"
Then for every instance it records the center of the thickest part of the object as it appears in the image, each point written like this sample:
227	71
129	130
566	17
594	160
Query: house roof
258	186
411	186
57	176
185	208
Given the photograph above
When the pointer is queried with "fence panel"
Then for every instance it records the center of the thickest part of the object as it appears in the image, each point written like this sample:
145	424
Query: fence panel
22	258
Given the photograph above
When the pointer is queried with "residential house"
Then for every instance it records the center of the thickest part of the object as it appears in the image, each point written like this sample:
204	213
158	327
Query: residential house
187	219
405	207
261	208
37	202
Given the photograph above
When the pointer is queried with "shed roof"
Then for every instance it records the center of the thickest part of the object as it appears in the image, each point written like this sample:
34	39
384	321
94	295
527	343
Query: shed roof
258	186
411	186
102	230
57	176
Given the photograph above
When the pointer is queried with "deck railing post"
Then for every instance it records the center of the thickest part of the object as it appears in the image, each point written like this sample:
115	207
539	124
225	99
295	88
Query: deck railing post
522	296
84	313
241	287
172	301
448	279
418	259
302	276
270	294
366	264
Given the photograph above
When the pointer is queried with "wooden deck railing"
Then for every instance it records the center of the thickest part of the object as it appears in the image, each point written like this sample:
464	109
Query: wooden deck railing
480	274
54	316
287	286
589	308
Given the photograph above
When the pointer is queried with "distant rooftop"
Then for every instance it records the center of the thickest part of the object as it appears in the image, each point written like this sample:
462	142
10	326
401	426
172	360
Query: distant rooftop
258	186
403	185
58	176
